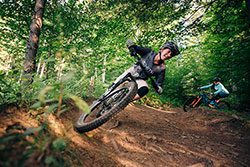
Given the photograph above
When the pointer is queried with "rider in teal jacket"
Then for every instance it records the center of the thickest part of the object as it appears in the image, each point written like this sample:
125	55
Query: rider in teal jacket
220	90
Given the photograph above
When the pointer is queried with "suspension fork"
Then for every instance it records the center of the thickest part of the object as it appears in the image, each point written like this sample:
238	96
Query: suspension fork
194	103
127	77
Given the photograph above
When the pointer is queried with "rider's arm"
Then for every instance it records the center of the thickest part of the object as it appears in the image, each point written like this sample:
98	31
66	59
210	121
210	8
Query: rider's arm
206	86
142	51
219	89
160	78
133	48
159	81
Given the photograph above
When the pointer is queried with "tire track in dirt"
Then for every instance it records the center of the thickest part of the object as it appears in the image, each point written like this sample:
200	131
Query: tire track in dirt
146	137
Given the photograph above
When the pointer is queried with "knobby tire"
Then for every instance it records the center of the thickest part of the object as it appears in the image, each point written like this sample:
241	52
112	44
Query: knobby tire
84	126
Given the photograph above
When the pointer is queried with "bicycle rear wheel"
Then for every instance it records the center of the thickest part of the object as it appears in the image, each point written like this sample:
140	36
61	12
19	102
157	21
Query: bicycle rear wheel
102	111
191	104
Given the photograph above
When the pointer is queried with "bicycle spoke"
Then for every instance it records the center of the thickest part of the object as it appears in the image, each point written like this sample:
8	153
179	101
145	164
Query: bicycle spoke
107	104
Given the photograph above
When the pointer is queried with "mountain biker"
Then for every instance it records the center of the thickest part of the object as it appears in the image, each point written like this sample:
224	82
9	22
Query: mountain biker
220	91
154	63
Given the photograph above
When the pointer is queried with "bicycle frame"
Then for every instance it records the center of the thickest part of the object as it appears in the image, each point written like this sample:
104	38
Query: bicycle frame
205	99
128	77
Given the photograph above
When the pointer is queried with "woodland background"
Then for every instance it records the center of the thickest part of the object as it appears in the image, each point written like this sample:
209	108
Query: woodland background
53	50
79	47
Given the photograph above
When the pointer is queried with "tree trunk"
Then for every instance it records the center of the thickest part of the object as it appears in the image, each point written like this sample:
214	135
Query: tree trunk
32	44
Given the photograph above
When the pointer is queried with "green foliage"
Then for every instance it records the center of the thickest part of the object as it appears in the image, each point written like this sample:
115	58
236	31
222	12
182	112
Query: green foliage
59	144
82	105
31	146
227	45
9	90
55	95
151	100
76	36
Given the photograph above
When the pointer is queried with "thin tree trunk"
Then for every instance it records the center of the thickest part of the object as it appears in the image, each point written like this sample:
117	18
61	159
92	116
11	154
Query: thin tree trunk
48	65
32	44
42	70
38	66
104	69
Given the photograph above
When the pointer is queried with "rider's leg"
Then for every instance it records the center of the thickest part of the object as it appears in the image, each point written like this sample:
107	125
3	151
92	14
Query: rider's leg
142	89
212	103
217	98
220	96
141	92
130	70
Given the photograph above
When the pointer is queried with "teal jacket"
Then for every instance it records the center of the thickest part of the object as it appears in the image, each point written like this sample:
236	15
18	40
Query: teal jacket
217	87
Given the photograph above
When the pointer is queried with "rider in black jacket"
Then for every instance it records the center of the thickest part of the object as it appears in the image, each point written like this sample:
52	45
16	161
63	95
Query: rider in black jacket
154	63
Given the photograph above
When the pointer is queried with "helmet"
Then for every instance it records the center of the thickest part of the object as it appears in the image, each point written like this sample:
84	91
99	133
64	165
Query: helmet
217	79
173	47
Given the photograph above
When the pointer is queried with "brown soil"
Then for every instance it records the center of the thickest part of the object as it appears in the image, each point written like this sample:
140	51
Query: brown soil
143	137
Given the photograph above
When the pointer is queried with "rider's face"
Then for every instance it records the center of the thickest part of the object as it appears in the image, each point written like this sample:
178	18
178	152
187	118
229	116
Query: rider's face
166	54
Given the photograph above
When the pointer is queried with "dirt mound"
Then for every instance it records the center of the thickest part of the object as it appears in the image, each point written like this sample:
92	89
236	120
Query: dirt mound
143	136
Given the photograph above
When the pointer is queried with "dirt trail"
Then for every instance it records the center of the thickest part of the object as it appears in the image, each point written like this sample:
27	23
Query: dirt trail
146	137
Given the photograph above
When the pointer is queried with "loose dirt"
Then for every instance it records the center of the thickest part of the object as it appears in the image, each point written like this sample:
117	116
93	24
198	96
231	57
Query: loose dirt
141	136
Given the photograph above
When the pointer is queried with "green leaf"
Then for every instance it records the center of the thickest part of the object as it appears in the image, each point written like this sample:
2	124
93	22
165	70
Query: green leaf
32	130
8	138
81	104
62	111
50	160
52	108
36	105
43	92
59	144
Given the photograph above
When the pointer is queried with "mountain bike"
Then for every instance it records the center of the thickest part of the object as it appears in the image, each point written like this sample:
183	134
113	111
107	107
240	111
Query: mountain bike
204	99
115	99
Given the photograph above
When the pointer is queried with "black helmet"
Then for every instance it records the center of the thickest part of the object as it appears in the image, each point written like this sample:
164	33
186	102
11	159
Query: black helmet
217	79
173	47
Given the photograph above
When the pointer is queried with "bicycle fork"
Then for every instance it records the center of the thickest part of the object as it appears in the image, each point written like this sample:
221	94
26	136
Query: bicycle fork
195	102
114	85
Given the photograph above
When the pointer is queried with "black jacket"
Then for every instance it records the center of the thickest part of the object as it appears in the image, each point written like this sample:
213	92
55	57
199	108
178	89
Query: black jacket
147	56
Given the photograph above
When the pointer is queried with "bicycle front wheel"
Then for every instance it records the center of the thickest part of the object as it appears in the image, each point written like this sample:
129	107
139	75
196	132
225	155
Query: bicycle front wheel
110	105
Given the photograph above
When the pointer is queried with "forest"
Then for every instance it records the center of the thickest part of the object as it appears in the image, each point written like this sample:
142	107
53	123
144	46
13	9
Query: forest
56	56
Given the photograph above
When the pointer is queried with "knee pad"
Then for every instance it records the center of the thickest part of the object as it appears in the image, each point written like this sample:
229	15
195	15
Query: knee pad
142	91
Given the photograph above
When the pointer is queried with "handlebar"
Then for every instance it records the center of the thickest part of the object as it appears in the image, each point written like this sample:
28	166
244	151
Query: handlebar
208	93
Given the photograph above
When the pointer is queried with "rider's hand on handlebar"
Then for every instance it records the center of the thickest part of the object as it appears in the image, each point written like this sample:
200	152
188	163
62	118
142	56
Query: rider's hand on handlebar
199	89
130	43
159	90
130	47
132	51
